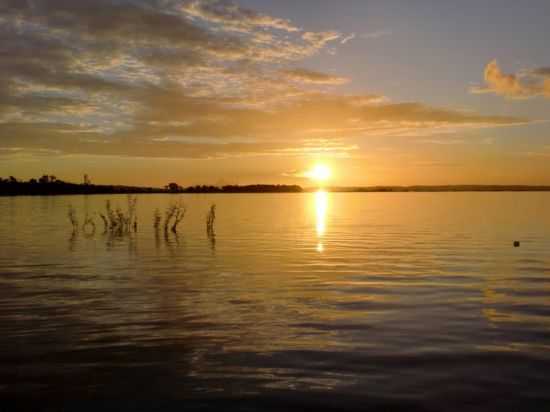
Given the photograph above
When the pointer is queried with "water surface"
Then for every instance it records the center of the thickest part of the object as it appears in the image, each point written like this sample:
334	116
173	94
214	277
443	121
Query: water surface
344	301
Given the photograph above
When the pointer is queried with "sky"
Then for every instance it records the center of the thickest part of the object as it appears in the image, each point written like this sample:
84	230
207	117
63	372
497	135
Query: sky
147	92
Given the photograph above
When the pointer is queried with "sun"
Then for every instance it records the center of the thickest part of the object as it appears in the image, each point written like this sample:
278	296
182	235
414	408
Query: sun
320	173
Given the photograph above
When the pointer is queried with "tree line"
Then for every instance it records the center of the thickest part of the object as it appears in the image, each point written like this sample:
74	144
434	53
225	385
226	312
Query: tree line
51	185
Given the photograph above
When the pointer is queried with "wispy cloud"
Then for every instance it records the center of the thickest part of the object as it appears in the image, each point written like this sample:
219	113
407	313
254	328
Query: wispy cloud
445	142
376	34
314	77
348	38
320	39
234	17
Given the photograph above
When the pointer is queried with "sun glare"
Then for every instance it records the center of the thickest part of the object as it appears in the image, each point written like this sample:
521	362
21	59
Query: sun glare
320	173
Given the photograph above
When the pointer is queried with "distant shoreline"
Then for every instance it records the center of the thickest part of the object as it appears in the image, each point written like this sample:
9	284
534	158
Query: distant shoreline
441	189
51	186
14	187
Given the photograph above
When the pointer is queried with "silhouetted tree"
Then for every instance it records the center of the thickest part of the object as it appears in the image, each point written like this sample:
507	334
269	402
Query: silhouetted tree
173	187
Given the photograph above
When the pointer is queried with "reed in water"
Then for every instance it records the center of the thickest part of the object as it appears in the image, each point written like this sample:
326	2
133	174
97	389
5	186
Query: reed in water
72	217
173	216
88	225
157	219
210	219
119	221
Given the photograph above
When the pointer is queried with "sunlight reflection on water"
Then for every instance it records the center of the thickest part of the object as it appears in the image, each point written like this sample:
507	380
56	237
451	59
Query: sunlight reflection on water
321	206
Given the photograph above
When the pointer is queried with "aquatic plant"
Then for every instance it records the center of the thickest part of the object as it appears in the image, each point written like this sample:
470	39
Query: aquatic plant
157	219
111	216
179	214
73	218
88	227
132	215
210	219
116	222
168	214
105	222
174	214
119	221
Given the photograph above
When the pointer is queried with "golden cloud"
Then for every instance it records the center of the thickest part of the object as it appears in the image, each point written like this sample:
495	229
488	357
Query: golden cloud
313	77
524	85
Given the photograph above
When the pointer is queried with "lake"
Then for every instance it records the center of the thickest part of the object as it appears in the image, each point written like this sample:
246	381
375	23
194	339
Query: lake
382	301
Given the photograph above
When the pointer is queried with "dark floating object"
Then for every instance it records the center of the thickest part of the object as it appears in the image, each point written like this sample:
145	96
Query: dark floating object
516	243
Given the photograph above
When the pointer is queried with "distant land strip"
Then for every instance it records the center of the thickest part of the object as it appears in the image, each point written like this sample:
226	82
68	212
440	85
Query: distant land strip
442	188
50	185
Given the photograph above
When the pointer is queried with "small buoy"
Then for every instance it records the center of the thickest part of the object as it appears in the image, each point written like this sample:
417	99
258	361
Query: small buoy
516	243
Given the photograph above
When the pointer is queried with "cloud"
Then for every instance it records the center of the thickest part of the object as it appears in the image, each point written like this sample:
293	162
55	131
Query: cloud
112	52
542	71
184	79
106	26
452	141
314	77
348	38
526	84
435	164
123	24
319	39
376	34
234	17
444	142
537	154
237	131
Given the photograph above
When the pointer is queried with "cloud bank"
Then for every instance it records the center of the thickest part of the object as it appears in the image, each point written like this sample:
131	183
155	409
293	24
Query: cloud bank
188	79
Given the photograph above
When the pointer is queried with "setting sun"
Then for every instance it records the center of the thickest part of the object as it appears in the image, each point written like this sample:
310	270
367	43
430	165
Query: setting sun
319	173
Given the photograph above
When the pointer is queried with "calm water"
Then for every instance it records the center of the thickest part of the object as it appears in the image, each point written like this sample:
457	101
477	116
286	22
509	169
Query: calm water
412	301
